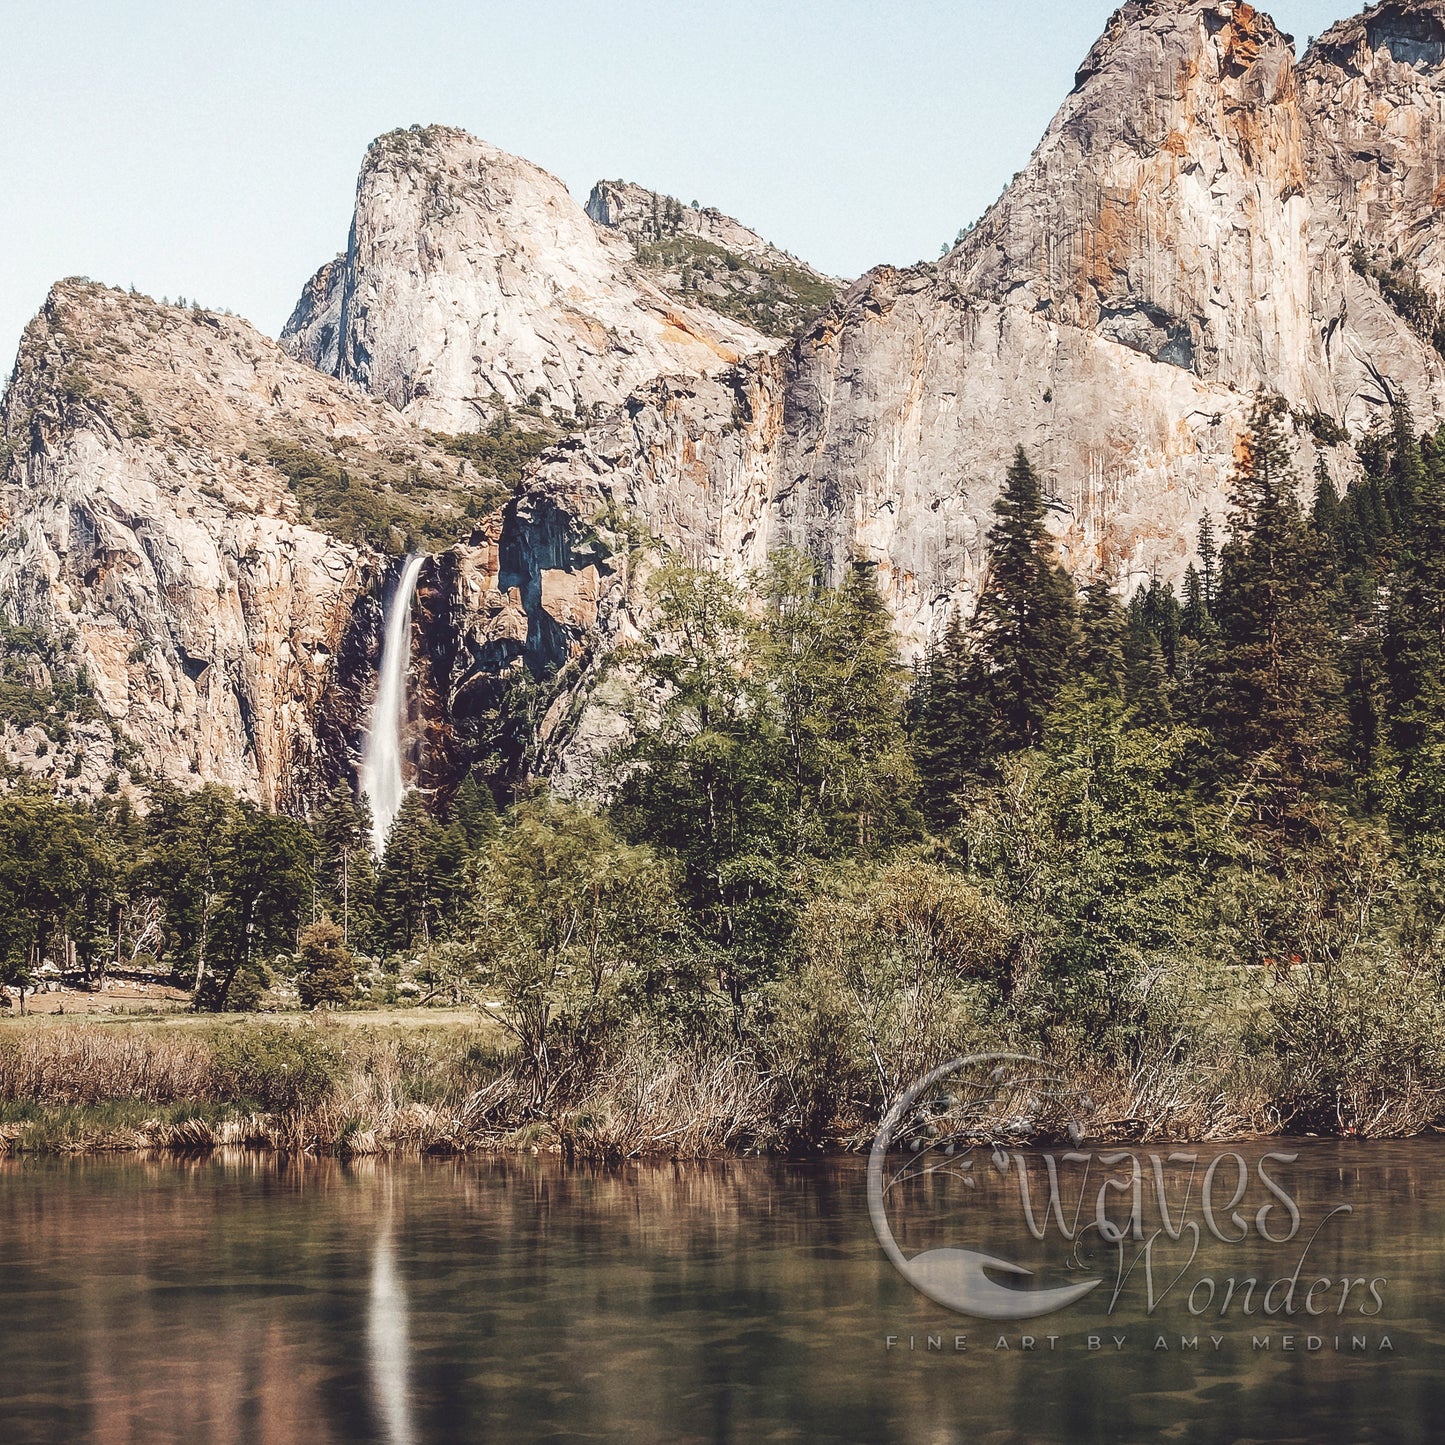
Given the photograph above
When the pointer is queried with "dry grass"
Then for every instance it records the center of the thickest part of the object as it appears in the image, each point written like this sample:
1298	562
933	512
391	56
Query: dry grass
302	1089
689	1106
81	1065
328	1087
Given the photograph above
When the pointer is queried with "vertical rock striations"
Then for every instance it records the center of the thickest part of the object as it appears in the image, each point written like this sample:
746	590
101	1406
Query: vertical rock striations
205	525
1373	96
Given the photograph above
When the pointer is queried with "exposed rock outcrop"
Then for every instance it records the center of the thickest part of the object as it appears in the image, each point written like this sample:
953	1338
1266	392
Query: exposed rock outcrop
1373	97
213	522
1374	100
1165	208
147	523
1160	260
1163	258
712	260
472	276
647	216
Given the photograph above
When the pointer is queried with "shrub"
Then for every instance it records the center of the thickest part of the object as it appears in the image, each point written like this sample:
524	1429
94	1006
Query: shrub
328	970
275	1068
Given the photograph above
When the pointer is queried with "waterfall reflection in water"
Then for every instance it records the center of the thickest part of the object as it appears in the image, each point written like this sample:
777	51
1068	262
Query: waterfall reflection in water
387	1337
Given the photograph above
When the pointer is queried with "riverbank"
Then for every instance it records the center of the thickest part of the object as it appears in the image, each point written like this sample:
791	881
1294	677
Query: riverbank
350	1084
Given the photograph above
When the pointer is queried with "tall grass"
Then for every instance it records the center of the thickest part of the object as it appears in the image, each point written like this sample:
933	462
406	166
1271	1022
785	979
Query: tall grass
1357	1053
302	1088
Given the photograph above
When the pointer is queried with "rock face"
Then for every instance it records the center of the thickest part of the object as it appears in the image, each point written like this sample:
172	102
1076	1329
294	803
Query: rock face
1162	258
1175	246
146	524
647	216
212	523
1372	91
1145	272
472	276
1373	98
1165	208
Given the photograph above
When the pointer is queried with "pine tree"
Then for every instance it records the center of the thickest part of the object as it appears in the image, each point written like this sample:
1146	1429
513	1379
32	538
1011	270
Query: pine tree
419	886
264	868
1146	670
703	776
1415	626
1161	614
1025	626
1276	694
1103	626
866	783
1362	666
944	710
1195	621
1325	516
1209	562
345	868
1407	467
475	811
328	971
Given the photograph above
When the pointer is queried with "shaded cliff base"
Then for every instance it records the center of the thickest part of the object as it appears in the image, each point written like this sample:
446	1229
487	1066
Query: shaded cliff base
449	1081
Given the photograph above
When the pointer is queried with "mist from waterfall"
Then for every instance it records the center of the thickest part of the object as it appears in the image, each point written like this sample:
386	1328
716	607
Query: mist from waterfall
381	779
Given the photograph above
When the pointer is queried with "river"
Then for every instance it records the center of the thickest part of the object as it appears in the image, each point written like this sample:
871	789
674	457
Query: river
243	1298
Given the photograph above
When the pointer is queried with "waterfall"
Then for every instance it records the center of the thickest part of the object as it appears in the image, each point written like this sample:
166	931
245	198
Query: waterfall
381	758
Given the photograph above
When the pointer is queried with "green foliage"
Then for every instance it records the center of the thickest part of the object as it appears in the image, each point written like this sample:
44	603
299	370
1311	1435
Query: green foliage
399	506
898	967
262	865
1092	844
64	698
503	451
474	810
53	882
701	779
942	707
421	878
774	740
568	921
393	507
345	871
778	298
1275	692
278	1068
995	692
327	971
1191	847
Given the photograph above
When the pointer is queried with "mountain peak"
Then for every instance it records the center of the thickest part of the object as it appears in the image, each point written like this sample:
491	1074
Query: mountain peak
711	259
1170	174
474	279
1244	31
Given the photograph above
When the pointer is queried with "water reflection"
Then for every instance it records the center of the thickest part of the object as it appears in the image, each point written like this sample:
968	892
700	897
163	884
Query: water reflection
237	1299
386	1333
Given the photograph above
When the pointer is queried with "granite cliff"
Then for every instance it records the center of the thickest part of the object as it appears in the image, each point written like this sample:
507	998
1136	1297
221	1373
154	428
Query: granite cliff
207	521
1173	247
472	278
164	469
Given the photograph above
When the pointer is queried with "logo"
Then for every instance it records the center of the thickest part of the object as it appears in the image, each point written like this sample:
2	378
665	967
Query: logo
938	1122
1139	1230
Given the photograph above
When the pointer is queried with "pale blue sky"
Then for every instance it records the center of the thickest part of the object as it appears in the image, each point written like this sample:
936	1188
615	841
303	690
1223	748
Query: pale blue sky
210	149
